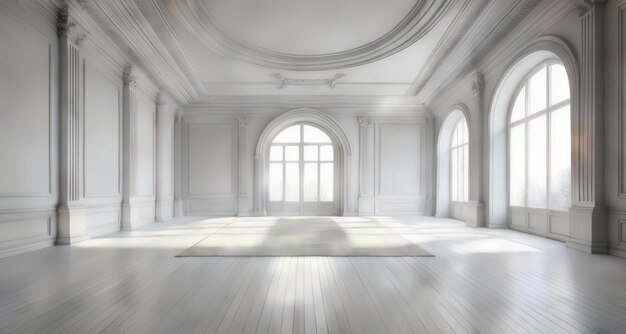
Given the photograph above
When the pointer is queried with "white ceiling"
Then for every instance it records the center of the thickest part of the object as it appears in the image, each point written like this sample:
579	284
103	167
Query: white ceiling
305	47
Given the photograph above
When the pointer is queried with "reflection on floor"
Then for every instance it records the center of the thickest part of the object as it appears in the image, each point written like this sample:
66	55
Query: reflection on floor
306	236
487	281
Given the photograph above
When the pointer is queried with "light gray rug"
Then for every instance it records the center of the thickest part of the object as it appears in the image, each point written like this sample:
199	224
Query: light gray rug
311	236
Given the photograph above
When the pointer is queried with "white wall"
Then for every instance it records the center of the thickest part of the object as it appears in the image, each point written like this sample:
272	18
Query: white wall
32	211
210	176
102	179
402	143
28	136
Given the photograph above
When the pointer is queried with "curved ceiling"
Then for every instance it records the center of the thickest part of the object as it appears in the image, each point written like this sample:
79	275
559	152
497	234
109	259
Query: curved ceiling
308	35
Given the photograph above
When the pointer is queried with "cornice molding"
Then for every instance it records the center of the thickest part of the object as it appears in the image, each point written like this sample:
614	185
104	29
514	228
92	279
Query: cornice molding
197	19
494	23
125	24
533	25
344	105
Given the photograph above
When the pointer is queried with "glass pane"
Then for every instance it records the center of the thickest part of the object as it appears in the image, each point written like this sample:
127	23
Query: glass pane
537	163
465	174
559	86
517	166
326	153
560	160
455	137
310	182
276	182
276	153
289	135
292	182
310	153
315	135
464	131
538	92
519	108
454	182
292	153
326	182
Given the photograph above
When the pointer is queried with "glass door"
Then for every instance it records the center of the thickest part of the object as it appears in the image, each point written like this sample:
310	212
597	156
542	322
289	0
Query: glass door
302	173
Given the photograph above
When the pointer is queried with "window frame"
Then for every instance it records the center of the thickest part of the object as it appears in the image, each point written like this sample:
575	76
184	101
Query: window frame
547	111
301	164
452	148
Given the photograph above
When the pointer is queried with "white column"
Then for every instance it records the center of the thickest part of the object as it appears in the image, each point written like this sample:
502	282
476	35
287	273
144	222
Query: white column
259	198
71	219
165	160
367	204
588	224
475	206
178	164
130	108
243	199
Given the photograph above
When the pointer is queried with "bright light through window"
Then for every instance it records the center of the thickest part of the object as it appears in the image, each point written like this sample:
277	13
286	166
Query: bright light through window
459	153
540	141
302	166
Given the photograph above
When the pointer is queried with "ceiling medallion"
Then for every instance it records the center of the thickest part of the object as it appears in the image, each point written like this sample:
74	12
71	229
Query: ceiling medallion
194	16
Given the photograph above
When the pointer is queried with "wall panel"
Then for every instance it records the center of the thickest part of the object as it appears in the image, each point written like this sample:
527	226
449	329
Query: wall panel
25	111
210	159
146	122
28	137
102	135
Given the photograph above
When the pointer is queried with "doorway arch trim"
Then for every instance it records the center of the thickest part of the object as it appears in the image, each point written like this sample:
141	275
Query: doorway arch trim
301	115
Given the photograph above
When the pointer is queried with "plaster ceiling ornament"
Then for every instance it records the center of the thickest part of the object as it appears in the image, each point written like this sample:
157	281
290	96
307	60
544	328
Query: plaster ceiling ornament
331	83
308	35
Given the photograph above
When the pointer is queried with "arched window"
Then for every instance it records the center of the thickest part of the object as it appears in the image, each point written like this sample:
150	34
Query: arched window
540	140
302	172
459	162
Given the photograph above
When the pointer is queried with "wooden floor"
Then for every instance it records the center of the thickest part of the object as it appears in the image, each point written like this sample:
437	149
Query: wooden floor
480	281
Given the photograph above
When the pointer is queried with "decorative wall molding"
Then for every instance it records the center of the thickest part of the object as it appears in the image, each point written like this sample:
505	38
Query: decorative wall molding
284	82
530	20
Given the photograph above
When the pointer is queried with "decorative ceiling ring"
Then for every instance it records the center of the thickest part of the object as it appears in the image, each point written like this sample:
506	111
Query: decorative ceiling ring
196	18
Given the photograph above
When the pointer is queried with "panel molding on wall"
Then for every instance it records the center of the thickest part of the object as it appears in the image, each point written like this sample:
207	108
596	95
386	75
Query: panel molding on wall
145	185
28	43
211	167
28	144
107	96
401	189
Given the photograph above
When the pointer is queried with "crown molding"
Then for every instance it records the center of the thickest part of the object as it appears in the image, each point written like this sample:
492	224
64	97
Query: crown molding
532	25
127	26
379	105
496	20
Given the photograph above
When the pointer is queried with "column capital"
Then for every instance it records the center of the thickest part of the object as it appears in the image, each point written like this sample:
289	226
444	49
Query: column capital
478	84
129	76
243	120
585	6
364	121
64	26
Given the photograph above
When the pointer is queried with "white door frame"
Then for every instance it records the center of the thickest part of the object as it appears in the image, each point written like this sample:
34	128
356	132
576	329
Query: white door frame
261	155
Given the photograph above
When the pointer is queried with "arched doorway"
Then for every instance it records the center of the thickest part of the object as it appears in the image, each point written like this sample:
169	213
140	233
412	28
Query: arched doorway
302	173
301	160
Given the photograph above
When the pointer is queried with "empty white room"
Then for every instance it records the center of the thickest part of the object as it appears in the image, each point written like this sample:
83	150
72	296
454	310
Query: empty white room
312	166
